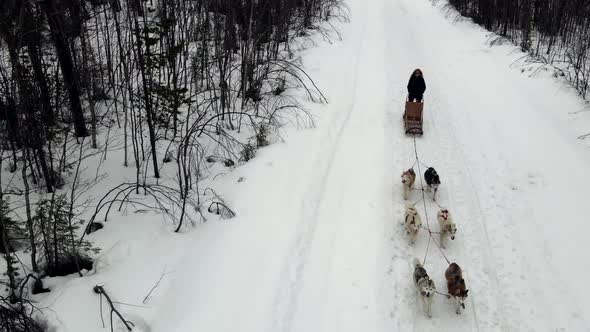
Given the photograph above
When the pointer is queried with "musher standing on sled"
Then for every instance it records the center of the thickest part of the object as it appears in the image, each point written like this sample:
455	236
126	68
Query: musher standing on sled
416	86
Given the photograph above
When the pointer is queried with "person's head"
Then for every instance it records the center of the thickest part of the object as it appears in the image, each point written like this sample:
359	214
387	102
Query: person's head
417	73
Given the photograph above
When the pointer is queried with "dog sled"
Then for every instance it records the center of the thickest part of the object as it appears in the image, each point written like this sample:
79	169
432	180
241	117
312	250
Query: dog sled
413	118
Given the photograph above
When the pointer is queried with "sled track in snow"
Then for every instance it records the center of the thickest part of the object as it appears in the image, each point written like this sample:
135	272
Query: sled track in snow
459	197
481	234
294	266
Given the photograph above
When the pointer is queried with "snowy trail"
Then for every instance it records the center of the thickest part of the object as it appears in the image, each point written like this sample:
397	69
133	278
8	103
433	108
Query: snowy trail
318	245
345	263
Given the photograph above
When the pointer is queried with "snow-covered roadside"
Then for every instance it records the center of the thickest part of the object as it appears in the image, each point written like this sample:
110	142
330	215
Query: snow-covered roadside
140	254
317	244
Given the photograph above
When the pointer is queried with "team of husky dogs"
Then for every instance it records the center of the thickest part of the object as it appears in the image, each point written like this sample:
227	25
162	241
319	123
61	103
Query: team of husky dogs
456	288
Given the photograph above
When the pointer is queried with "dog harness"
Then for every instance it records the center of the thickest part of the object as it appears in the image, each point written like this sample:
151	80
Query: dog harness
420	273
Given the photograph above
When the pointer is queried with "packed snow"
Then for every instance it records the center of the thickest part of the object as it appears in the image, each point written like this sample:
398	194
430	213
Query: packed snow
317	243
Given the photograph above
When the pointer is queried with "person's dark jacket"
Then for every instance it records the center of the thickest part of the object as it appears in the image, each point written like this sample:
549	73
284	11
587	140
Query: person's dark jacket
416	85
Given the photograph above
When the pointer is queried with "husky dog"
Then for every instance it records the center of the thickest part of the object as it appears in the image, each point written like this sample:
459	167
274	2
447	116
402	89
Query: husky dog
447	226
412	222
408	179
432	181
456	286
424	286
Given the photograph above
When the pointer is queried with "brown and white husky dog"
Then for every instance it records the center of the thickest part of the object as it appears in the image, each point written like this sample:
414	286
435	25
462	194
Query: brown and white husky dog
447	226
456	286
408	179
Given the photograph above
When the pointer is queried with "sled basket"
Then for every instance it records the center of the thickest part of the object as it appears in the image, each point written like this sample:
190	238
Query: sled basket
413	118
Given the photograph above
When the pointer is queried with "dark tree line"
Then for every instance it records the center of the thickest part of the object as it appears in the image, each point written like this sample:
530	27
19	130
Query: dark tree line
555	31
167	78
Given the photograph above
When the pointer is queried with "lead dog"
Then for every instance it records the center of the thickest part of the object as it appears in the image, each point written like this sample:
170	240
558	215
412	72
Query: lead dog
408	179
425	287
412	222
432	181
456	286
447	226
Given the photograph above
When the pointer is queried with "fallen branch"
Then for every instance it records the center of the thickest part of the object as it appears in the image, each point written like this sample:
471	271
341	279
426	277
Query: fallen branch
147	297
100	291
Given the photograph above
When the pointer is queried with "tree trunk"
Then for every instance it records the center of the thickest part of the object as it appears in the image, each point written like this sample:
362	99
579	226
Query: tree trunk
55	18
30	228
147	95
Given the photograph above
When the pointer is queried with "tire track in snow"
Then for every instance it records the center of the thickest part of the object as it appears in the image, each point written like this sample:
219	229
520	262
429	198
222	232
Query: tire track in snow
403	294
471	248
294	265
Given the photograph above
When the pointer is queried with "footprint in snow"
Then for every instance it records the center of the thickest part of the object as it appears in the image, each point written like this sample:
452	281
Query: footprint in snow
536	180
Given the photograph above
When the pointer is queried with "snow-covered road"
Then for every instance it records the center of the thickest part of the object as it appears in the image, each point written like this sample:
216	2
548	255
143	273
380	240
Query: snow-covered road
318	245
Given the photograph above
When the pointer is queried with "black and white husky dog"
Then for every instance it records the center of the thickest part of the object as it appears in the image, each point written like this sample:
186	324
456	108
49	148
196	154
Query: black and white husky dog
424	286
432	181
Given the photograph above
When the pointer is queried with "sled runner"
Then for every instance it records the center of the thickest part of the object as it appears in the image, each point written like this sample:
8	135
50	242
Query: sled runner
413	118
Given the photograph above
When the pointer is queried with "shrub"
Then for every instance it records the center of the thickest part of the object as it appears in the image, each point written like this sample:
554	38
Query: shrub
59	251
248	152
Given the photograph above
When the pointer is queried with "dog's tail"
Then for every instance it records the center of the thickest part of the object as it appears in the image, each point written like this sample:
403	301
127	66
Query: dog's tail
416	262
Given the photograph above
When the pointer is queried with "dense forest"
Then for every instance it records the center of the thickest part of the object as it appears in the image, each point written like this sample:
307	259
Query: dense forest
556	32
183	82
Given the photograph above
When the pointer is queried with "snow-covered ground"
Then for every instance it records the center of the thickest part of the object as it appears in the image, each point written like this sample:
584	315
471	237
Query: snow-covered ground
317	243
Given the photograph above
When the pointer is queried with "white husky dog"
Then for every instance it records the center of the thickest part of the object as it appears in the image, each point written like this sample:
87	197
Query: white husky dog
424	286
408	179
412	222
447	226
